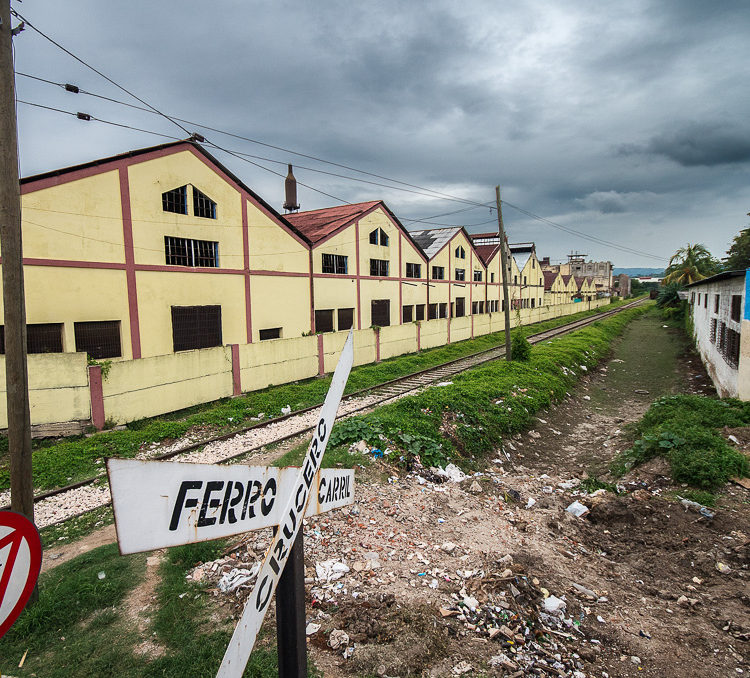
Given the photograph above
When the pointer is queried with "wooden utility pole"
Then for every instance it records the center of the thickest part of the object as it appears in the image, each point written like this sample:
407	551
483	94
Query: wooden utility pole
504	262
14	305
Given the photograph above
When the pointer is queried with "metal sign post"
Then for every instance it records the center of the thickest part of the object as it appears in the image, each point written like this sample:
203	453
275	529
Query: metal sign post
161	504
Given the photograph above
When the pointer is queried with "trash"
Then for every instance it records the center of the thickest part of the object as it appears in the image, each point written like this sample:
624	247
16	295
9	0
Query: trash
548	490
694	505
587	397
724	569
504	661
577	509
375	452
101	575
471	603
330	570
553	605
451	472
600	619
641	391
361	446
475	487
444	383
584	591
744	482
286	410
461	668
530	502
337	639
569	484
236	577
312	628
448	547
635	660
348	652
733	439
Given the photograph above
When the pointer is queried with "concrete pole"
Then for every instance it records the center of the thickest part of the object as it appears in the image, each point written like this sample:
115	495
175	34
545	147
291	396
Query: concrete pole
504	260
16	374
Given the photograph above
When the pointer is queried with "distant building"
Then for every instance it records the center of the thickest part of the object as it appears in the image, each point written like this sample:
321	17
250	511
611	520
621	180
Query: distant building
600	271
623	285
721	328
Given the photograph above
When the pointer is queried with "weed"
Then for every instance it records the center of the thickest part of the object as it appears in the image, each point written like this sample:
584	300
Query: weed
700	496
520	348
698	455
592	484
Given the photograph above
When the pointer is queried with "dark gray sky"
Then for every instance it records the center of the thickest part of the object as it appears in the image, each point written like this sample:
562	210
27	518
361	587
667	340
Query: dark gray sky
629	122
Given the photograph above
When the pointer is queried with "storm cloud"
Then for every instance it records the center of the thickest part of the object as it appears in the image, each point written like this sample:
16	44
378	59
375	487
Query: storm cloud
624	122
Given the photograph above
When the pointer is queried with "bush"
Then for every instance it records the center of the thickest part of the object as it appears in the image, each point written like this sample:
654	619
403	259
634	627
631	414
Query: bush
520	348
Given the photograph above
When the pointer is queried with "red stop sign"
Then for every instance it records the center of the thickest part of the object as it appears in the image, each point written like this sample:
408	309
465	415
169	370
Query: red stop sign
20	562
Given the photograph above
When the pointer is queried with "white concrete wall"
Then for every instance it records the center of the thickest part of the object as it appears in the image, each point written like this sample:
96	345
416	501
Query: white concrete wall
702	300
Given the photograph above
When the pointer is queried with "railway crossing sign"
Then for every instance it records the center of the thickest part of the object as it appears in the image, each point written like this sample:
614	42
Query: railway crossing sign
158	504
20	562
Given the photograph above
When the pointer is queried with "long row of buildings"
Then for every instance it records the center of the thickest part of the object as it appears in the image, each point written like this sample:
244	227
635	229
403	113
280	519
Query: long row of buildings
163	249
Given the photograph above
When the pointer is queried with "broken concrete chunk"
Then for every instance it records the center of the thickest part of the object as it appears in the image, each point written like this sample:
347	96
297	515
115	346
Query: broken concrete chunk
448	547
475	487
553	605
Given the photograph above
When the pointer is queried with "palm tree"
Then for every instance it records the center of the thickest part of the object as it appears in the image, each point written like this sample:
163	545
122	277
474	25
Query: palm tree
690	264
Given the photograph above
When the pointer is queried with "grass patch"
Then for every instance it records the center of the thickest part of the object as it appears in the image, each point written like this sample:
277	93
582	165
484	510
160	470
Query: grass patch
75	528
57	463
336	456
684	430
592	484
465	420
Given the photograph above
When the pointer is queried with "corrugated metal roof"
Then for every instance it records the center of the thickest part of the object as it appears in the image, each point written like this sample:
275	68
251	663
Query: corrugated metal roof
318	224
432	240
717	277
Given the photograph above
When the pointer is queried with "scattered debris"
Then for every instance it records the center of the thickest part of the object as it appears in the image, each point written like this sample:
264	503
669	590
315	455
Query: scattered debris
577	509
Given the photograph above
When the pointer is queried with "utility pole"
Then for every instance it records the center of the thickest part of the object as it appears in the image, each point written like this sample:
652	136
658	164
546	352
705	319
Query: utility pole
14	305
504	262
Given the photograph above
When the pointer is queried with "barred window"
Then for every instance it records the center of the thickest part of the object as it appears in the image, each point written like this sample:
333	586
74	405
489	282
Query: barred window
203	206
477	276
732	348
189	252
98	339
196	327
335	263
380	312
40	338
346	318
379	267
324	320
413	270
712	331
460	274
432	312
175	200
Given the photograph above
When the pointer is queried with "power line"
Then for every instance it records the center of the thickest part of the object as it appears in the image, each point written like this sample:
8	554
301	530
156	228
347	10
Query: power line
98	72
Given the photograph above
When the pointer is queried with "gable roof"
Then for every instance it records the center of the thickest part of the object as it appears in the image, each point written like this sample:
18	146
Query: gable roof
486	252
521	252
549	279
566	279
579	281
432	240
88	168
319	224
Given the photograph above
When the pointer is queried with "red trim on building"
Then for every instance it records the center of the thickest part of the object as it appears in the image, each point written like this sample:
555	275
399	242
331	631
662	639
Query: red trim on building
419	336
312	292
356	254
64	263
377	345
246	273
400	283
286	274
236	378
188	269
97	396
321	357
127	238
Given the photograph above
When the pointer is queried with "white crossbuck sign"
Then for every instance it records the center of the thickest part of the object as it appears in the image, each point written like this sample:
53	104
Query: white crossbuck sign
160	504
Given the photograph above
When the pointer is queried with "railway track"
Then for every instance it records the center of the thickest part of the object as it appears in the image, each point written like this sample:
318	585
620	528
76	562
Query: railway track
371	397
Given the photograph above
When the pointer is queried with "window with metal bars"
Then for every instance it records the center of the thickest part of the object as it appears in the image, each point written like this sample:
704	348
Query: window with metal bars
196	327
460	274
413	270
335	263
99	339
324	320
712	331
175	200
379	267
203	206
346	319
270	333
732	347
189	252
432	311
40	338
380	312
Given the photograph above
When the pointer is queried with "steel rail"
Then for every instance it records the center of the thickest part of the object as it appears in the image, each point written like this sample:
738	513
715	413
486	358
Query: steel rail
449	368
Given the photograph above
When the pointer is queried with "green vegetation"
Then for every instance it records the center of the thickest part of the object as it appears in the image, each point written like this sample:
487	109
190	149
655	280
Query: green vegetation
738	254
683	430
520	348
75	528
690	264
79	626
56	463
463	421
